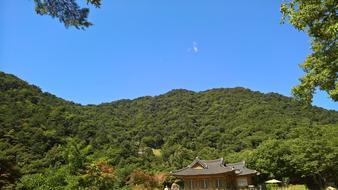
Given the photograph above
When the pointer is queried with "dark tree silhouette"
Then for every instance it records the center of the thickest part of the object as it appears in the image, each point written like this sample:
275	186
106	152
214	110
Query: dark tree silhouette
67	11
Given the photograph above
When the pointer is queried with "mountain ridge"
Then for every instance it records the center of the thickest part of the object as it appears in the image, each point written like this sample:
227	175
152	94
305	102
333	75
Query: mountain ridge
38	129
172	91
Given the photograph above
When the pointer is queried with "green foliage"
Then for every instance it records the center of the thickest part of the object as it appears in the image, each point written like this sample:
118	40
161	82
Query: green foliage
47	142
296	187
98	176
318	18
67	11
78	172
269	158
51	179
311	155
181	157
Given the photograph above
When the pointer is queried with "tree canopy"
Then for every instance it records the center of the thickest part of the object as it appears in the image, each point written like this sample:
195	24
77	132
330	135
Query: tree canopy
67	11
318	18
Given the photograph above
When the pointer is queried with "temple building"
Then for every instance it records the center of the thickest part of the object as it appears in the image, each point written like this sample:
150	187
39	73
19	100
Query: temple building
215	175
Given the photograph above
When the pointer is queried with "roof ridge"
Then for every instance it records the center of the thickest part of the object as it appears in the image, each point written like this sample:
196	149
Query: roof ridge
215	160
179	169
197	160
237	163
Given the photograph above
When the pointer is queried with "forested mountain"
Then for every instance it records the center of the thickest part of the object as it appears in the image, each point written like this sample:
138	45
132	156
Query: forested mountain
47	142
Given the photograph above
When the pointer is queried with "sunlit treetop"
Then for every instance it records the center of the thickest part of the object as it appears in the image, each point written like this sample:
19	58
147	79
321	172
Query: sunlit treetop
318	18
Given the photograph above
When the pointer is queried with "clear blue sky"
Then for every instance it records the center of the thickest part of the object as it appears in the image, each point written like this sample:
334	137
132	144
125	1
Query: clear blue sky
148	47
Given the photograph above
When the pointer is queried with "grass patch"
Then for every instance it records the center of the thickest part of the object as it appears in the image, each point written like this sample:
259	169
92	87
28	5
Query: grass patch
296	187
157	152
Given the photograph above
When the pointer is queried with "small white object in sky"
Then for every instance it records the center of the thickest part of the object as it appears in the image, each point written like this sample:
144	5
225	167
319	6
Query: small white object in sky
194	47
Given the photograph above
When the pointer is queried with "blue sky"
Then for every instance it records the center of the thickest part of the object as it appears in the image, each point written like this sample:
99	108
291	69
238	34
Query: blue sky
148	47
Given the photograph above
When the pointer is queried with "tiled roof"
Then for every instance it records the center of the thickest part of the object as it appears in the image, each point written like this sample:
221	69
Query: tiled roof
241	169
211	167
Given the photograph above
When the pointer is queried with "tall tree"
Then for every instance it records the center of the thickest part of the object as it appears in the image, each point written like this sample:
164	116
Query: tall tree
318	18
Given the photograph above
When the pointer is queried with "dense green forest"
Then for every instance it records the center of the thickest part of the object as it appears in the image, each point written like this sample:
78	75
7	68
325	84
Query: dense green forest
50	143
